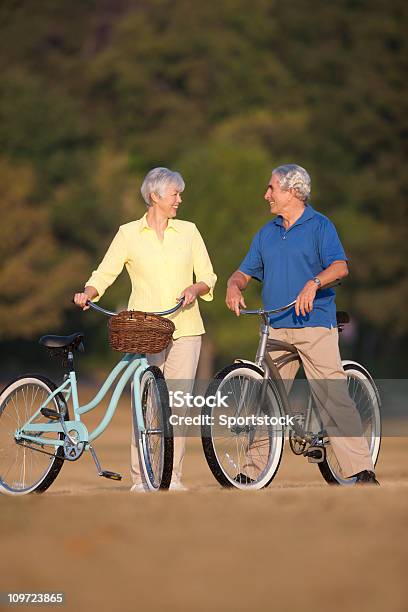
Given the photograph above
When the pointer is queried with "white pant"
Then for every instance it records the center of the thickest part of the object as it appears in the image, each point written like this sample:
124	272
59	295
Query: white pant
178	362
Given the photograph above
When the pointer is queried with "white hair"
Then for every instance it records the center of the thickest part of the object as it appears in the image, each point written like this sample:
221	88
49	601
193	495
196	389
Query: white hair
157	180
292	176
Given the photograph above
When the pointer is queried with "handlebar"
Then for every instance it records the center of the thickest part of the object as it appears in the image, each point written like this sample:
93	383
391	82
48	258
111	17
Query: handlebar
262	311
109	313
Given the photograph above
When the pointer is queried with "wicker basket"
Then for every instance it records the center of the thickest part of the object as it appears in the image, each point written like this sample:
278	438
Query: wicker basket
132	331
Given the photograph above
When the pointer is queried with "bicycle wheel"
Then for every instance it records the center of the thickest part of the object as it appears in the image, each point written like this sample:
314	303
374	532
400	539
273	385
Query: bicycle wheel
27	467
365	395
244	453
155	434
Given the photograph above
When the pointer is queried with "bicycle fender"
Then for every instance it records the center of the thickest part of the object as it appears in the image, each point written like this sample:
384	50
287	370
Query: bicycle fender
249	362
355	363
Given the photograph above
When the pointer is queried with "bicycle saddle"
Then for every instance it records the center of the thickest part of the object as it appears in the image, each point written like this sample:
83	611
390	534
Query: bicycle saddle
69	343
342	317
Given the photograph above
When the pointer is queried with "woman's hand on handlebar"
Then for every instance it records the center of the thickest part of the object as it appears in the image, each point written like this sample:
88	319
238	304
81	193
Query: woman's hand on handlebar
189	295
81	299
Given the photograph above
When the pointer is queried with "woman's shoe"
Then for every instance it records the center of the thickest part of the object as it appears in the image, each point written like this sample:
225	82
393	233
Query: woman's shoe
138	488
177	486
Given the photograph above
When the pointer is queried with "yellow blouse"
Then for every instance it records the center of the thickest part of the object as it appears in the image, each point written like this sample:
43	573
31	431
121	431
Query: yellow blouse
159	271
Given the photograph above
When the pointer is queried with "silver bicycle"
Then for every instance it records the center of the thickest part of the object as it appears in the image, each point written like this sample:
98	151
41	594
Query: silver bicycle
243	446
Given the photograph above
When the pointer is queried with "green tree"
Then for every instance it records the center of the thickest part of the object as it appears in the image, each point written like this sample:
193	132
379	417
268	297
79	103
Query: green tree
93	94
157	90
36	276
224	197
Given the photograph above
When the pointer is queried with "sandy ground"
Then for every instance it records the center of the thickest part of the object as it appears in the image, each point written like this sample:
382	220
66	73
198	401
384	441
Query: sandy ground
299	544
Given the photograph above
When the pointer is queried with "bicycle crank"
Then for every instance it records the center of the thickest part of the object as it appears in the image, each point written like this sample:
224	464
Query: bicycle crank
297	444
73	450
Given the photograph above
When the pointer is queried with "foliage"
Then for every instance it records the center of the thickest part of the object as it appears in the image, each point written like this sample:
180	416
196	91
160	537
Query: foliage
37	275
93	94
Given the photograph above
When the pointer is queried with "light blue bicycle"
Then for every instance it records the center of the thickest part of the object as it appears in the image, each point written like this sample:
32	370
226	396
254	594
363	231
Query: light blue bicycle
37	434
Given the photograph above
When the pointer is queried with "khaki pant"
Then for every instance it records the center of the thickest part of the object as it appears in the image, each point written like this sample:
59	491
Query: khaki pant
178	362
318	348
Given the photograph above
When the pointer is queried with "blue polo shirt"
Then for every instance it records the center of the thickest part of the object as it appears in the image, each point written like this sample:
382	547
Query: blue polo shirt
284	260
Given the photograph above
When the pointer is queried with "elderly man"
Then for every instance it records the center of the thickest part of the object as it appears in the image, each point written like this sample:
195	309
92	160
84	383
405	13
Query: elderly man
295	254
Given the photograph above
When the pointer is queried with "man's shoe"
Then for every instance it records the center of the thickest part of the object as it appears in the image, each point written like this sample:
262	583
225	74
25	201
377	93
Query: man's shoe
366	477
243	479
177	486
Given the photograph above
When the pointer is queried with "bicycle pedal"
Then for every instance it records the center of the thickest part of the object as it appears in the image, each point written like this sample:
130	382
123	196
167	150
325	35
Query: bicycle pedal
110	475
50	414
315	454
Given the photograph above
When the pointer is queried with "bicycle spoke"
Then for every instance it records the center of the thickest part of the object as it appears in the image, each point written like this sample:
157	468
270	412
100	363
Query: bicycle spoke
21	469
153	441
246	446
362	393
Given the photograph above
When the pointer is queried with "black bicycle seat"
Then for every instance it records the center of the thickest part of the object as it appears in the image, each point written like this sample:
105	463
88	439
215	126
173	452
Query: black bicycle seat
69	343
342	317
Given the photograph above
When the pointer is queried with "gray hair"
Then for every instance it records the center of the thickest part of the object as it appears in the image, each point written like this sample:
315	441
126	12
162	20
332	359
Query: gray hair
157	180
292	176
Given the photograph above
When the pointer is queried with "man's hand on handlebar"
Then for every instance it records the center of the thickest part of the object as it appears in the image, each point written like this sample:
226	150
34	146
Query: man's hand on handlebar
236	284
235	300
305	299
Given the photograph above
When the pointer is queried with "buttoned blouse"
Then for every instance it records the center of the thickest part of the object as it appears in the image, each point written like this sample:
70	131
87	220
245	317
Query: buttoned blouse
159	270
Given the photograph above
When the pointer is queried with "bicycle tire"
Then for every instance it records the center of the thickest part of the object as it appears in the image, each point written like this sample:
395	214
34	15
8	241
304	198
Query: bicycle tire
24	463
156	461
218	459
329	468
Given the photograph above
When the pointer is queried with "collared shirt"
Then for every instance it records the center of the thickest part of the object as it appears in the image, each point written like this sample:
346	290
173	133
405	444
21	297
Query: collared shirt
159	270
284	260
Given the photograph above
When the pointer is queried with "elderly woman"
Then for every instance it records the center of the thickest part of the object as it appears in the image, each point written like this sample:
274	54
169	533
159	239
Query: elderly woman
161	253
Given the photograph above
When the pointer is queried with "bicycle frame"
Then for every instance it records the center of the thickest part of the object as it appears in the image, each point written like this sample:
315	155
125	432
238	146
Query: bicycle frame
266	363
130	365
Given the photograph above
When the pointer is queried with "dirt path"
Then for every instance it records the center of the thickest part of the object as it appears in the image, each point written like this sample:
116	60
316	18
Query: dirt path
298	545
